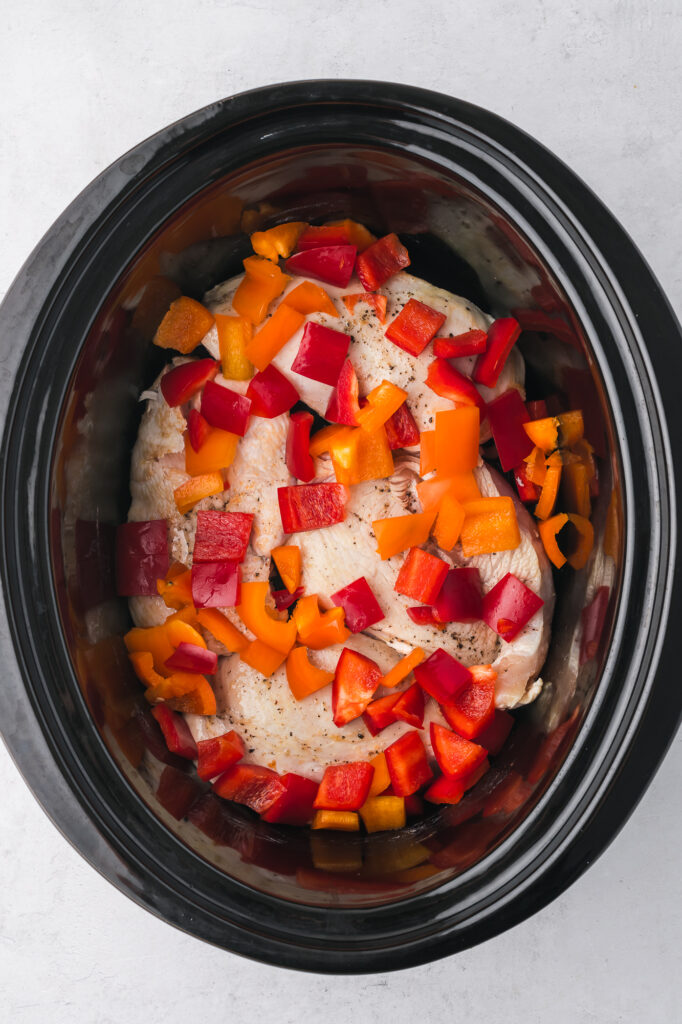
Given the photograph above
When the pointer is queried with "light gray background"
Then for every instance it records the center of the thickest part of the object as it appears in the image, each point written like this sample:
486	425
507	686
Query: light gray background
599	83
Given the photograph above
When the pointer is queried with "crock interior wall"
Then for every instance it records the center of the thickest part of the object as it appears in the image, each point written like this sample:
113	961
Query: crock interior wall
457	239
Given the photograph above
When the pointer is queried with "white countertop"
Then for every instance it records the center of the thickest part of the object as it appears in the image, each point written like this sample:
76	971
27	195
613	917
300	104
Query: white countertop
599	83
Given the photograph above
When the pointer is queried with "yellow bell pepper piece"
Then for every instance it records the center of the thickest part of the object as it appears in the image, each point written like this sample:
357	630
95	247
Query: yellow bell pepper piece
234	332
341	821
277	634
304	678
381	813
287	558
336	856
278	241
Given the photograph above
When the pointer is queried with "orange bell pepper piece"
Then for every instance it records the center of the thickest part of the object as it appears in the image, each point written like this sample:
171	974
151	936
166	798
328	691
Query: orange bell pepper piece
161	641
184	326
490	525
358	455
383	813
402	670
461	486
358	235
382	401
575	489
188	692
308	297
273	335
448	523
262	657
536	466
304	678
216	453
397	533
427	452
220	627
287	558
580	545
560	431
317	630
456	441
278	241
377	302
324	439
143	664
276	633
262	283
340	821
176	588
381	779
550	487
197	487
234	333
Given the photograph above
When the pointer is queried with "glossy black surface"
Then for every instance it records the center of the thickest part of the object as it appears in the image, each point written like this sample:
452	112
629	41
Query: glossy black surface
504	223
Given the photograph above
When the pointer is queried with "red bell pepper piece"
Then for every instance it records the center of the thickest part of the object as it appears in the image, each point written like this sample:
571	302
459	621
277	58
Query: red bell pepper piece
527	490
197	428
448	382
182	382
455	755
218	754
401	429
154	739
537	409
344	787
410	706
377	302
141	557
447	789
360	606
222	536
422	615
473	708
283	599
225	409
344	405
295	805
355	680
593	617
381	260
321	354
502	334
507	414
177	792
271	393
407	764
176	732
300	462
325	234
311	506
332	264
494	736
250	784
509	606
460	598
471	343
414	327
442	676
379	713
421	576
216	584
192	658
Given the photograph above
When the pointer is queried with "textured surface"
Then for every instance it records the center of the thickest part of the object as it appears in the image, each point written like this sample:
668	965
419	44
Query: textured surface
597	82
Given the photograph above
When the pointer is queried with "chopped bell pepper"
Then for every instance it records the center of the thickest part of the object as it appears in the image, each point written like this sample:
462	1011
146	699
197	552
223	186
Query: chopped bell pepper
550	487
295	805
141	557
379	713
490	525
308	297
455	755
225	409
421	576
216	584
176	732
250	784
380	261
470	343
382	402
304	678
408	764
377	302
339	821
184	326
358	455
176	587
343	232
161	641
332	264
180	383
273	335
316	630
355	681
143	666
560	431
217	452
188	692
460	598
427	452
253	613
575	489
360	606
278	241
383	813
494	735
401	429
222	536
283	599
423	615
473	708
218	754
321	354
502	334
271	393
442	676
192	658
195	489
323	440
234	334
402	670
456	441
447	789
298	458
509	606
311	506
577	542
527	490
537	409
461	486
220	627
446	381
262	657
381	780
198	429
414	326
409	706
343	406
262	283
396	533
358	234
287	558
344	787
506	414
449	522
